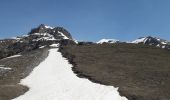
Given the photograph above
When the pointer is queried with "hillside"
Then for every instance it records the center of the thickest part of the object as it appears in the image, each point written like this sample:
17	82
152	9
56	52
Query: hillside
42	35
53	79
140	71
19	68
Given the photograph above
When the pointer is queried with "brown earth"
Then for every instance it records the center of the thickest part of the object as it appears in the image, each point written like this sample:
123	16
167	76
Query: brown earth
141	72
21	67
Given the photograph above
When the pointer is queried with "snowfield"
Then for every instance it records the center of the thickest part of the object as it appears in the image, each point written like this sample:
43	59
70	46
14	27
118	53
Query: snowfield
53	79
14	56
4	68
107	41
64	37
143	39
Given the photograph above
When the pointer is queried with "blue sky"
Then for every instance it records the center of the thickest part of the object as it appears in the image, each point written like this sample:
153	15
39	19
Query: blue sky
88	20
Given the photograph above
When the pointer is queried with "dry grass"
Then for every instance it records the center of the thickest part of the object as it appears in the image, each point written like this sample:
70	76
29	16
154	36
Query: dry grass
21	67
142	72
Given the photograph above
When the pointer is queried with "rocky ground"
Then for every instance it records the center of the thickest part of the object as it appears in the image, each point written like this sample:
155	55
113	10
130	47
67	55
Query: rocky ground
141	72
20	67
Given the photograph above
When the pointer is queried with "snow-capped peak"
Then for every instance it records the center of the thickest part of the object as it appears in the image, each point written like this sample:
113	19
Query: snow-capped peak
149	39
48	31
139	40
153	41
16	38
107	41
49	27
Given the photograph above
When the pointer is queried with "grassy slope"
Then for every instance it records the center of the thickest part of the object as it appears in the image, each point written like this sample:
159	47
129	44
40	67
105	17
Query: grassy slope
142	72
21	67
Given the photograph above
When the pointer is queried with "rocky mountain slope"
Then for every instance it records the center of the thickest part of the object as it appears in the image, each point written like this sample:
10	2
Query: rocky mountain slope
149	40
19	56
37	37
153	41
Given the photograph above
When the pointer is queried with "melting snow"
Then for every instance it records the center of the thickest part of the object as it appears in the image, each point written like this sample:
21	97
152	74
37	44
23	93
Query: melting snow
75	41
4	68
25	35
54	45
44	36
163	46
53	79
64	37
17	38
42	47
139	40
107	41
49	27
163	42
14	56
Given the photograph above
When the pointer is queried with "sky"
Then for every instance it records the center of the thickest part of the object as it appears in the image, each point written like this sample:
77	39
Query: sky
88	20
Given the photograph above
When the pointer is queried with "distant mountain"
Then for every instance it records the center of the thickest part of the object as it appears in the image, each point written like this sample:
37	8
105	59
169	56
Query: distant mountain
149	40
107	41
44	35
37	37
50	32
153	41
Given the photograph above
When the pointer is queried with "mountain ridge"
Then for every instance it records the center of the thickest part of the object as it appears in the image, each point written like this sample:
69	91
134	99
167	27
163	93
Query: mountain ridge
37	37
104	61
44	35
148	40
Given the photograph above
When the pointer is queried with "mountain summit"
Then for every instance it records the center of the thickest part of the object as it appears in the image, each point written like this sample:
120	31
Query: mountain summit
43	35
107	41
152	41
51	32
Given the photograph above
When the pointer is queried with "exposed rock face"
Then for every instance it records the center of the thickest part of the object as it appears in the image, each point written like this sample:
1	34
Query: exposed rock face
149	40
153	41
40	36
57	32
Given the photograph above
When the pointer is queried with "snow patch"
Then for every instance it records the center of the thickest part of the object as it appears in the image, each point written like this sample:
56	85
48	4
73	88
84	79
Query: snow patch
163	42
44	36
54	45
140	40
4	68
25	35
42	47
16	38
75	41
158	45
158	39
53	79
163	46
64	37
107	41
49	27
14	56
